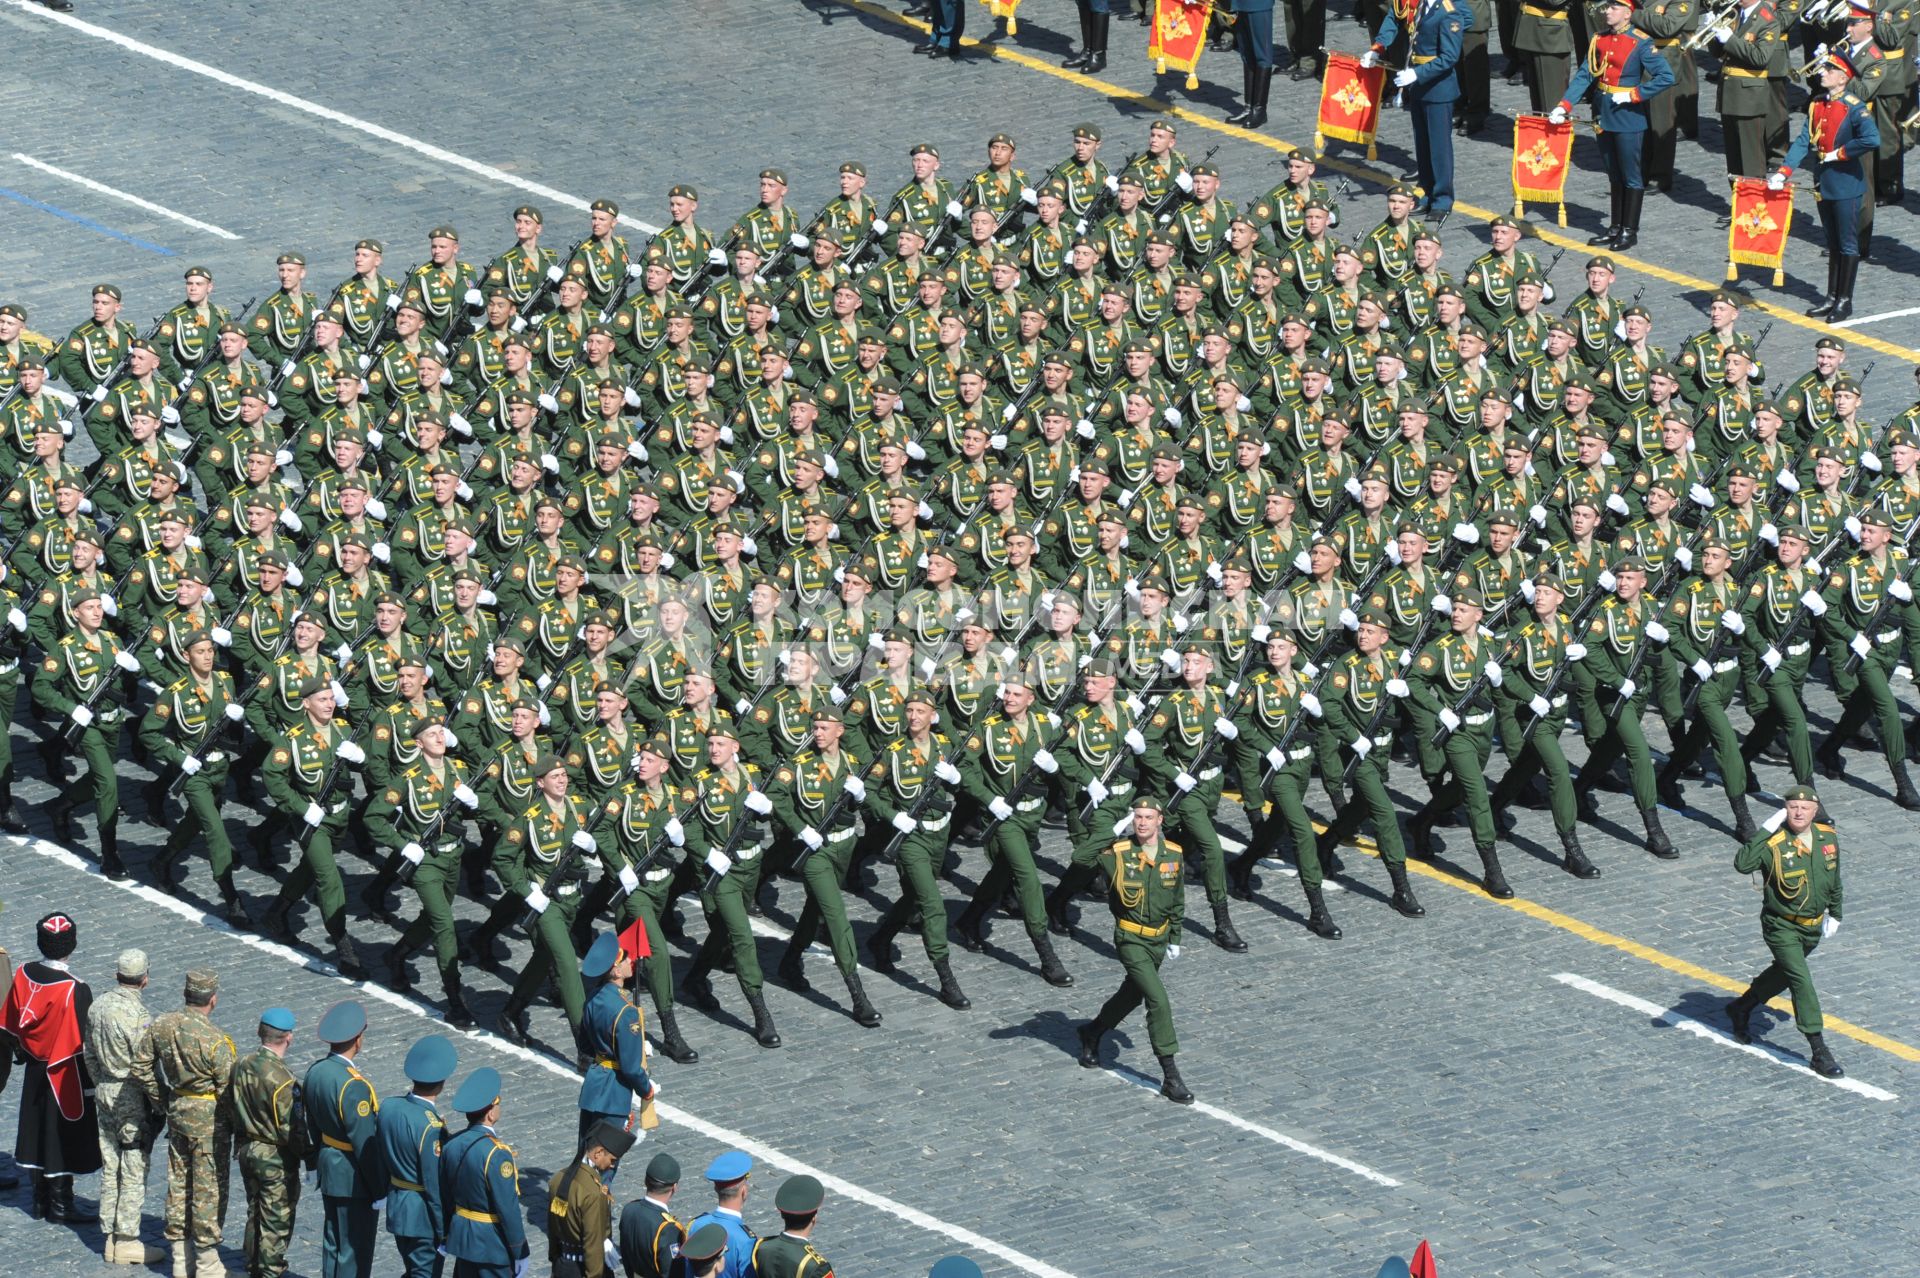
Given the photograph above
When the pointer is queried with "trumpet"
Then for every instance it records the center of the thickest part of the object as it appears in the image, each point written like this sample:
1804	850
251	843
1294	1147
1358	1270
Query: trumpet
1822	12
1715	24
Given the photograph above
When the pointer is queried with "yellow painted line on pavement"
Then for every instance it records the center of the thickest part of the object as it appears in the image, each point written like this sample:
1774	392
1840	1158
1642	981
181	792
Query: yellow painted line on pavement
1550	235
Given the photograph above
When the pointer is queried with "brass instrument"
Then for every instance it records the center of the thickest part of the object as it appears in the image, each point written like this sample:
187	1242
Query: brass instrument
1722	18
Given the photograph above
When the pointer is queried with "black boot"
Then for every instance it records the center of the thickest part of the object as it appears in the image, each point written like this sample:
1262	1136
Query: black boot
60	1208
1657	841
1820	1060
110	863
1089	1036
792	972
967	929
374	895
1224	934
1403	898
672	1043
1743	827
166	870
950	992
1824	306
9	815
1097	47
1576	857
236	906
1060	900
1246	95
1739	1014
399	976
864	1013
347	959
1827	760
514	1025
274	923
1319	922
1491	879
1605	238
1666	787
1079	59
880	950
1420	834
38	1210
1843	310
1172	1087
459	1015
1262	85
1629	233
763	1031
1052	970
1903	792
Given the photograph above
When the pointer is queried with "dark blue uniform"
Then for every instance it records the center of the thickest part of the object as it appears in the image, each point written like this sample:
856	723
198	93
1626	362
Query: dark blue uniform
1253	23
410	1136
1840	126
479	1183
1436	34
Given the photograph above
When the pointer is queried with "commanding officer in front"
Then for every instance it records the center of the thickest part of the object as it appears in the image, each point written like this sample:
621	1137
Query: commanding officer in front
1839	131
1430	82
1625	68
1799	865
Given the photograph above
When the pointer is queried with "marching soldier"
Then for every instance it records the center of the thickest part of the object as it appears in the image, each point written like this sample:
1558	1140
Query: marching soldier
1782	609
538	859
1531	703
725	840
183	732
1614	686
79	686
1867	599
1450	678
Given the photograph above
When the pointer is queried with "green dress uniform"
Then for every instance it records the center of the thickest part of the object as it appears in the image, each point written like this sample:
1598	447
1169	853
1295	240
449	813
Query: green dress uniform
184	1064
1801	903
1440	678
803	792
183	724
296	775
268	1116
897	780
1097	760
1708	645
418	800
731	801
639	848
1620	641
529	852
1535	652
1359	687
1148	898
1273	761
1779	637
1861	660
79	670
1180	737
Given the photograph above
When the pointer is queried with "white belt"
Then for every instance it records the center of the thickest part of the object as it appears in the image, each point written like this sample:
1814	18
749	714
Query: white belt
1478	717
746	855
937	823
841	836
1028	805
1559	700
215	756
1796	649
1384	739
1300	752
1208	774
566	889
1120	787
654	876
1731	663
1886	636
8	667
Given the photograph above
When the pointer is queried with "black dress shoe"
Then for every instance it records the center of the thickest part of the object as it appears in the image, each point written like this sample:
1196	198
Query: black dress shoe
927	47
59	6
1738	1016
1089	1046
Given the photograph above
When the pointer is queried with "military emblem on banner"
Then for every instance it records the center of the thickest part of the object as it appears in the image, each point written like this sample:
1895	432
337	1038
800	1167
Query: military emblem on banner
1762	219
1542	157
1179	36
1349	103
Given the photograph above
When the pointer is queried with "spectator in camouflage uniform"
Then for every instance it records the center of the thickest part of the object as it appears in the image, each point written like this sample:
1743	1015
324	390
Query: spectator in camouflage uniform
128	1123
184	1066
270	1135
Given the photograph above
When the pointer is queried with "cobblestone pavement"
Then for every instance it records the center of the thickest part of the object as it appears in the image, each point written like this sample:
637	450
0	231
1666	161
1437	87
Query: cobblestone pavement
1529	1125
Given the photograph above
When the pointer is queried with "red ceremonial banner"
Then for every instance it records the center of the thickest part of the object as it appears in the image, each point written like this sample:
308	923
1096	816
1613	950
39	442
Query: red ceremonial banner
1179	36
1758	235
1004	9
1349	103
1542	157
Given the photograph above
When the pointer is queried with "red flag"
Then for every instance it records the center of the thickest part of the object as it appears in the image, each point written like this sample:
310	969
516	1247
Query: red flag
1542	156
633	941
1423	1266
1758	233
1349	102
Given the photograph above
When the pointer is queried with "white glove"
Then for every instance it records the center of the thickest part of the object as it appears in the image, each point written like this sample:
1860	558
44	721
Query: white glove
1184	180
340	697
1361	746
222	636
757	802
1770	534
1557	116
1495	675
1044	760
1185	781
1402	78
548	402
17	619
1701	494
1276	758
1540	706
954	210
1871	460
947	772
1852	525
1900	590
351	752
1397	687
170	415
1526	589
1001	809
1450	719
459	425
1303	562
1655	631
295	577
550	463
414	852
1173	952
1392	549
1788	480
811	837
1136	742
1215	575
289	520
1861	645
1369	60
676	833
1353	487
1225	727
1348	619
1733	623
879	227
1310	703
837	695
1170	658
1097	791
487	599
1770	658
1814	602
1776	180
1442	605
1828	926
342	653
235	711
314	815
904	823
1467	533
1701	670
464	793
109	606
189	765
716	257
719	862
1616	503
741	706
1181	622
584	841
858	788
1627	690
193	542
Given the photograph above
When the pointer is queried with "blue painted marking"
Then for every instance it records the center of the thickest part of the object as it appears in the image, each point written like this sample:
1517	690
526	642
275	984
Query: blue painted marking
87	222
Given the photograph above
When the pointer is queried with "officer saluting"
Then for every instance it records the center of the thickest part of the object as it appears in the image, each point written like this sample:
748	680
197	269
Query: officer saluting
1435	36
1839	131
342	1125
1799	869
485	1235
1627	70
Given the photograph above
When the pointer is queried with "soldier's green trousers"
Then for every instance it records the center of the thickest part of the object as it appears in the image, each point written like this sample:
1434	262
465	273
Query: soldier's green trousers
1286	791
728	924
1141	957
553	953
822	873
1010	857
272	1184
1375	804
647	904
1790	944
922	855
1191	814
436	882
99	747
196	1173
1866	694
318	870
1710	723
201	793
1538	750
1781	696
1610	735
1466	753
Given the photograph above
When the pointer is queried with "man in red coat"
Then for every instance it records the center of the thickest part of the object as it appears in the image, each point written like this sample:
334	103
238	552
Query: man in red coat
45	1018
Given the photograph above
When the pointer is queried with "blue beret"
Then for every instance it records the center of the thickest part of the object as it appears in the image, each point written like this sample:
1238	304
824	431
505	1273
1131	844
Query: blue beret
599	959
343	1022
431	1060
479	1092
954	1267
731	1165
1394	1268
278	1018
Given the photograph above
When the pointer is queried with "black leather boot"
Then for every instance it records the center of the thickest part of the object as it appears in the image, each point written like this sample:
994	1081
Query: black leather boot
1739	1016
1820	309
61	1209
1743	827
950	991
967	929
1089	1058
1820	1060
110	863
347	959
1420	834
1843	309
763	1031
1078	60
1246	95
374	895
399	976
1171	1085
792	971
1224	934
1576	857
672	1043
514	1024
1060	901
1403	898
1097	48
1262	85
235	904
1629	233
1052	970
1319	921
1491	878
880	951
1903	792
1605	238
459	1015
864	1013
38	1210
1657	841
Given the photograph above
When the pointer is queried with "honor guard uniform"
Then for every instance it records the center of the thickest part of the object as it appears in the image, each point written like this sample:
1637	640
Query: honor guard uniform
1531	702
580	1207
1627	72
480	1185
1839	131
1782	611
410	1132
613	1042
343	1126
1430	84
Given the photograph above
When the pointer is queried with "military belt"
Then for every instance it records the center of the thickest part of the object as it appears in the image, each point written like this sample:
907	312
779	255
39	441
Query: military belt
1028	805
1421	59
1805	920
8	667
1208	774
1900	52
1671	42
482	1217
577	1257
1551	15
1141	929
397	1183
605	1062
334	1142
1477	718
1744	73
194	1096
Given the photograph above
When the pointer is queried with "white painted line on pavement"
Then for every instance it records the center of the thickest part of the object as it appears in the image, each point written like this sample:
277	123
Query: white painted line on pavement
1137	1079
312	108
1875	319
563	1069
101	188
1667	1016
1275	865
